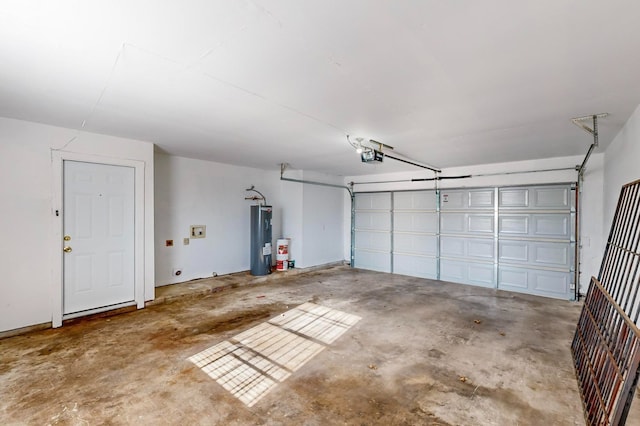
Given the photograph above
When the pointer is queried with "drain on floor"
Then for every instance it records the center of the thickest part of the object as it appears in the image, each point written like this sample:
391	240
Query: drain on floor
253	362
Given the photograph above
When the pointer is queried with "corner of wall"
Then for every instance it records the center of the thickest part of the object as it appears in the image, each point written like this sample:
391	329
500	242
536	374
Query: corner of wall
621	163
591	222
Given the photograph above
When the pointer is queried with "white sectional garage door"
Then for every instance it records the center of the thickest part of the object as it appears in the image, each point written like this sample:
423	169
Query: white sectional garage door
467	236
513	238
536	228
373	231
415	234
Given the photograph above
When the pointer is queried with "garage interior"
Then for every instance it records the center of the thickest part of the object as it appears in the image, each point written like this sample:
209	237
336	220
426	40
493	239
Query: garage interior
445	177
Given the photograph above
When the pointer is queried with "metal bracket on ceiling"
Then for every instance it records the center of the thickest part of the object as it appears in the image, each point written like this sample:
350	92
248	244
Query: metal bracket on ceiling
380	144
360	143
283	167
580	122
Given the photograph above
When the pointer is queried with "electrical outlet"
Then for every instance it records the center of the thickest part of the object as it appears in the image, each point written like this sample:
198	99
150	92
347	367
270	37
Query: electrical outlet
198	231
185	241
168	243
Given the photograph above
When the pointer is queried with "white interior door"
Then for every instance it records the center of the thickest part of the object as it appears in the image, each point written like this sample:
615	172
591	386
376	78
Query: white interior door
98	228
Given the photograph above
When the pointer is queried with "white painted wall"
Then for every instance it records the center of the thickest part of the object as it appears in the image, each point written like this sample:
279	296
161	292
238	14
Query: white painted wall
593	233
292	218
591	192
322	231
199	192
621	164
28	250
196	192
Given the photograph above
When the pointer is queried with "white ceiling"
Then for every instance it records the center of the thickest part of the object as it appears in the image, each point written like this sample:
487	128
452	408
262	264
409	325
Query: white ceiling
259	82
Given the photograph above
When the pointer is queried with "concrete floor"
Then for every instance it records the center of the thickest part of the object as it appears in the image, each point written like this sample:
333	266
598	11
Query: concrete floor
424	352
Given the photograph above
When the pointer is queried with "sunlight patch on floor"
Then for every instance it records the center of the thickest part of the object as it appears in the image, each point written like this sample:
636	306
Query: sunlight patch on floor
252	363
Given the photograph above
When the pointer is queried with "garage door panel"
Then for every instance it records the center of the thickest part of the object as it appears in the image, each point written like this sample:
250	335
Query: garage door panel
452	223
551	225
517	197
536	198
480	224
478	248
375	261
537	254
551	282
453	270
415	243
415	266
556	226
378	201
513	225
536	249
467	215
463	272
481	199
550	254
463	199
513	279
466	223
453	200
513	251
535	281
373	240
415	222
372	236
452	246
551	198
482	275
418	200
379	221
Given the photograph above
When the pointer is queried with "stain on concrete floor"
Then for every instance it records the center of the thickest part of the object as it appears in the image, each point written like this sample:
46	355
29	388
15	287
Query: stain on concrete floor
401	364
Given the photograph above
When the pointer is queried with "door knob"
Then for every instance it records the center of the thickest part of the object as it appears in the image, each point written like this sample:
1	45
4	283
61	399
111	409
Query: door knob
67	249
67	238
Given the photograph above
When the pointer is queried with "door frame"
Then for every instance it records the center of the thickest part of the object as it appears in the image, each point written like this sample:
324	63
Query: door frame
57	160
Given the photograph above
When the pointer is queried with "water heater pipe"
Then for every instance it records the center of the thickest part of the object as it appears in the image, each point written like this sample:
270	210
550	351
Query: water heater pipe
256	198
